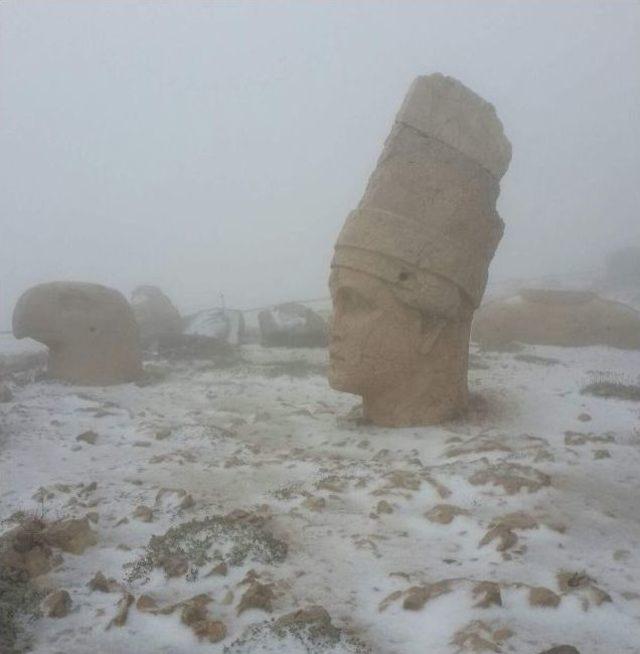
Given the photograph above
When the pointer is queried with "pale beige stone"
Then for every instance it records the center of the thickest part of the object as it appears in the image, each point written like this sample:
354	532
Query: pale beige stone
89	329
411	262
556	317
445	109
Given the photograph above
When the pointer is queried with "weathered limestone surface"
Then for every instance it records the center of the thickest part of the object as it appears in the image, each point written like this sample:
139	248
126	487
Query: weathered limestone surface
155	314
555	317
411	262
90	331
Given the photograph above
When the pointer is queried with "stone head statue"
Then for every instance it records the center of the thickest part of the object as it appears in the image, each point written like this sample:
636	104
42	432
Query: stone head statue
90	331
411	262
155	314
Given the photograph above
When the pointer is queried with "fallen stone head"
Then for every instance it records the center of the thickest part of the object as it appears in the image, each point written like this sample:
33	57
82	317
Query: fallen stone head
90	331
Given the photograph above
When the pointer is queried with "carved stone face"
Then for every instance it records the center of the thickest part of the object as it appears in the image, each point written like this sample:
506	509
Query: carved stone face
408	365
373	335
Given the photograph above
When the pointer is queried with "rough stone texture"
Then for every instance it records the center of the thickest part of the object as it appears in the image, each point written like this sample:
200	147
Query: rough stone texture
554	317
90	331
73	535
541	596
155	314
411	262
292	325
57	604
257	596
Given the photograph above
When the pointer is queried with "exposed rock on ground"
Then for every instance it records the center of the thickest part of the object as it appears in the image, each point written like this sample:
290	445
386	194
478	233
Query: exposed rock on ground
57	604
553	317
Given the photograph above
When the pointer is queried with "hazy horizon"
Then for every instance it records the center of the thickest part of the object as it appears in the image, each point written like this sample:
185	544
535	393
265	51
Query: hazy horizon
215	148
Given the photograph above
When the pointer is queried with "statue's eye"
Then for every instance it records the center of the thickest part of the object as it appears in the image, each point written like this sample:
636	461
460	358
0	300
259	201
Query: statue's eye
352	301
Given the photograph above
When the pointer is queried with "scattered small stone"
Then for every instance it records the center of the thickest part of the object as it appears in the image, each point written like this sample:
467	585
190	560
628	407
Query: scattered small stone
163	433
193	613
502	634
584	417
257	596
513	477
477	636
621	555
143	513
213	630
444	513
561	649
490	592
187	503
122	611
93	516
146	604
601	454
73	536
57	604
315	503
384	507
175	566
516	520
504	534
582	583
102	584
89	437
417	596
315	619
541	596
228	598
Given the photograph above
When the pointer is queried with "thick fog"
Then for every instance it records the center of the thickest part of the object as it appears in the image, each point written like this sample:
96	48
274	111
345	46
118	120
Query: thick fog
216	148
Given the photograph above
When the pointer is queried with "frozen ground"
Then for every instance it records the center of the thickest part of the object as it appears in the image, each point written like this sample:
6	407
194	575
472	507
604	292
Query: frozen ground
393	532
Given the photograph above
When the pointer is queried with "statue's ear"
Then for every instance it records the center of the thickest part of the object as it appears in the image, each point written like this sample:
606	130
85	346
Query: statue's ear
432	328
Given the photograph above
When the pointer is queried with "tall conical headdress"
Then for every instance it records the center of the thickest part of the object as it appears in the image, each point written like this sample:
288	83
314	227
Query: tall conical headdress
430	206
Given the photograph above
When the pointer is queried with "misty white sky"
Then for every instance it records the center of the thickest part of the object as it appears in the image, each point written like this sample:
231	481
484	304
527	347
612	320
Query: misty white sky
217	147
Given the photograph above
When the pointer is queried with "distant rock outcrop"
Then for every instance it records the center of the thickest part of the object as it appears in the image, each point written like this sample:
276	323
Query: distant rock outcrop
90	331
222	324
155	314
292	325
555	317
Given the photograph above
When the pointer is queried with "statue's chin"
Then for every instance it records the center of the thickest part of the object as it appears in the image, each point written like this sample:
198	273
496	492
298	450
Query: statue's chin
339	379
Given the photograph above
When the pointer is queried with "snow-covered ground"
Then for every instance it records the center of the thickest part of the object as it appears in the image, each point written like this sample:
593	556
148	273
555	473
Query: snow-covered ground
391	531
